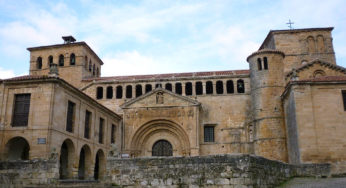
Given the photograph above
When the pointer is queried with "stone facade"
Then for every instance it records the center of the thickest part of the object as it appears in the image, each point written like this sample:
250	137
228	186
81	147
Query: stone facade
289	106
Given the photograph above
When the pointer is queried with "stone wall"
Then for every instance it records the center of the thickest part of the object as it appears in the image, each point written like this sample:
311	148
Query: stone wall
219	170
26	173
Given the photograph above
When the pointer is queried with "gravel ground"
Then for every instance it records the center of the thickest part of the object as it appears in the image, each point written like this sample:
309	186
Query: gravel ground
316	183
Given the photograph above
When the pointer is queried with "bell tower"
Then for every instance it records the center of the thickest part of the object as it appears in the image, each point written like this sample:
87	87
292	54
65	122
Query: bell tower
75	61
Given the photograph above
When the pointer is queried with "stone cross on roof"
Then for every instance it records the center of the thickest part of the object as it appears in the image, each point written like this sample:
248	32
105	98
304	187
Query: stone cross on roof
290	24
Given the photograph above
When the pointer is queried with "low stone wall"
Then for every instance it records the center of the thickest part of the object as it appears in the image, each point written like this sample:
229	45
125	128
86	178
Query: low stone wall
219	170
25	173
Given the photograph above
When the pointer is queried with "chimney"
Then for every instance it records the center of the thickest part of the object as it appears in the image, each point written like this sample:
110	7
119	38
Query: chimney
68	39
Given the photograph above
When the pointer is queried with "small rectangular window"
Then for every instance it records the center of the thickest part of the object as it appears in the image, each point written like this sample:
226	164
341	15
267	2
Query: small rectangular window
113	134
87	124
70	116
21	110
101	131
344	98
209	134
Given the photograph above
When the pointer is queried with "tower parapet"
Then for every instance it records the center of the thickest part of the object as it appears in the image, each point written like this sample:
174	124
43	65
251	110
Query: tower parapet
267	84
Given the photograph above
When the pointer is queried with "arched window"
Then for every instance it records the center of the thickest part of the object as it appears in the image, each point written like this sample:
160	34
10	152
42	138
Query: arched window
265	63
86	62
162	148
219	87
94	70
311	44
119	92
138	90
39	63
97	72
230	86
168	86
209	87
109	92
17	148
50	61
199	88
148	88
72	59
129	91
320	44
259	63
90	66
99	92
178	88
158	85
188	88
240	86
61	60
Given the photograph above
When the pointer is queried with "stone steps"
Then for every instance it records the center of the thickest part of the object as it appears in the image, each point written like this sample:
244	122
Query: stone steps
73	184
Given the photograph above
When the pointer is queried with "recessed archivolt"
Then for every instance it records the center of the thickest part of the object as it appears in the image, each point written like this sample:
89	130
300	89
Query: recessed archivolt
149	129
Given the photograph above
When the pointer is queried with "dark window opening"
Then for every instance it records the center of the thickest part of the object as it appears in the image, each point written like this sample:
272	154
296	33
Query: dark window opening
158	85
21	110
209	134
61	60
50	61
178	88
113	134
259	63
148	88
39	63
199	88
97	72
94	69
230	86
209	87
109	92
188	88
344	98
99	92
265	63
119	92
240	86
128	91
90	66
168	86
139	91
162	148
101	131
219	87
86	62
70	116
87	124
72	59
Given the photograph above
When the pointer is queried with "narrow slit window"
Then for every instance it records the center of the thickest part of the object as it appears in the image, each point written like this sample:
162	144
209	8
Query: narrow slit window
87	124
188	88
61	60
148	88
219	87
265	63
70	116
230	86
139	91
113	134
72	59
209	87
94	70
344	98
39	63
129	91
119	92
101	127
109	92
50	61
99	92
90	66
178	88
199	88
259	64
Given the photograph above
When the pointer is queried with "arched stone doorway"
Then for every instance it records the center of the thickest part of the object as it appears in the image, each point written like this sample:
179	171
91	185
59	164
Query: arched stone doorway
148	134
100	165
17	148
66	159
162	148
84	163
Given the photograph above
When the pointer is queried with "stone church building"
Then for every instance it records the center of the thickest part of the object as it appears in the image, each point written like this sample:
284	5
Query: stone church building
290	106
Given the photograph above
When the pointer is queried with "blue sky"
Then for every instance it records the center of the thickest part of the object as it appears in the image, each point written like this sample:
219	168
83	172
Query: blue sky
160	36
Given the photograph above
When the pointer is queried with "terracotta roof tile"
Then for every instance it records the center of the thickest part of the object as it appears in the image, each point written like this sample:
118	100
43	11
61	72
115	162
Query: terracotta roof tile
324	79
171	75
27	77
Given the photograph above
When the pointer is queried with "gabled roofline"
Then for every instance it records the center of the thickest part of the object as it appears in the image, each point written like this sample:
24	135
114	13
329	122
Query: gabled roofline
272	32
126	104
317	61
81	43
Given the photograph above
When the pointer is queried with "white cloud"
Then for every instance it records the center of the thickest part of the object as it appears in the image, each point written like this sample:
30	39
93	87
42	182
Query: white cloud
6	73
